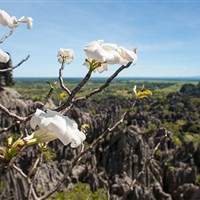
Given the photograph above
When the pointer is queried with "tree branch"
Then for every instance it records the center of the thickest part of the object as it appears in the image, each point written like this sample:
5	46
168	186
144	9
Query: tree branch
74	92
7	35
61	79
11	68
28	180
106	84
5	110
82	153
2	130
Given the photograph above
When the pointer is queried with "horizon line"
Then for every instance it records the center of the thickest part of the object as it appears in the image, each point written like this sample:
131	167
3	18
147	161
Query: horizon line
197	78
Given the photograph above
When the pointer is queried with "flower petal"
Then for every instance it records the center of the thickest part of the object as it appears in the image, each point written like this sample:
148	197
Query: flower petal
37	118
78	138
65	54
4	57
7	20
53	125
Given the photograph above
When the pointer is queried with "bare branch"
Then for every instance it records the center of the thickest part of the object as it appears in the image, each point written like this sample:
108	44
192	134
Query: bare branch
50	92
106	84
83	152
7	35
2	130
13	160
61	79
35	165
11	68
20	171
74	92
13	115
28	180
34	172
145	165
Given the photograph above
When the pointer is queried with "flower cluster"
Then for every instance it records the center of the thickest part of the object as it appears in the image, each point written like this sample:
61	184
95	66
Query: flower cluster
12	22
51	125
65	56
100	54
109	54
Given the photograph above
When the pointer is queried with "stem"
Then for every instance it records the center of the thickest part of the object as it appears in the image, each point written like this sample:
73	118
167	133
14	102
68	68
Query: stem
91	147
61	79
74	92
7	35
106	84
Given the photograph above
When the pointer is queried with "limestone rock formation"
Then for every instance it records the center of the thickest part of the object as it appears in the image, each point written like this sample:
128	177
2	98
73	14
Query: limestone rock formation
122	164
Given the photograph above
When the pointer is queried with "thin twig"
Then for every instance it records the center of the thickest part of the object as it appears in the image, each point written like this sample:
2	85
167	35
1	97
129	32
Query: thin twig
145	165
34	172
11	68
28	180
13	160
61	79
106	84
82	153
7	35
20	171
13	115
2	130
74	92
35	165
48	96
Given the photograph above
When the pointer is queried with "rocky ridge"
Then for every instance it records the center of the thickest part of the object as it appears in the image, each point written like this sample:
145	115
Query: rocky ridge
121	164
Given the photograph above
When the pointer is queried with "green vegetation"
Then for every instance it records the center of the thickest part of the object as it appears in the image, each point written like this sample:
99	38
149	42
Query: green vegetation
3	186
119	87
191	89
197	180
176	140
151	128
194	138
49	155
81	191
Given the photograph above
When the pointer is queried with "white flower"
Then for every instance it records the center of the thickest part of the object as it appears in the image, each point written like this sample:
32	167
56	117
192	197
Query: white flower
11	22
7	20
29	21
128	55
109	54
65	54
52	125
4	57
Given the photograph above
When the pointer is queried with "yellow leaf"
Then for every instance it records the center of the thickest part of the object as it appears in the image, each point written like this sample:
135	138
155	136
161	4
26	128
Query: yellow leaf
85	126
143	93
10	141
63	95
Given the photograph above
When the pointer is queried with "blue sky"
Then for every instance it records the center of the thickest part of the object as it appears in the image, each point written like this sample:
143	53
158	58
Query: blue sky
166	34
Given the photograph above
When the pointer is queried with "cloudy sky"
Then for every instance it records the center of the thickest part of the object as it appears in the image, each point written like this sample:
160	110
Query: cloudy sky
166	34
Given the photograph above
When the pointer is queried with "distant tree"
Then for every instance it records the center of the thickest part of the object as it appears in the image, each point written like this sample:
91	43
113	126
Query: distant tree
191	89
